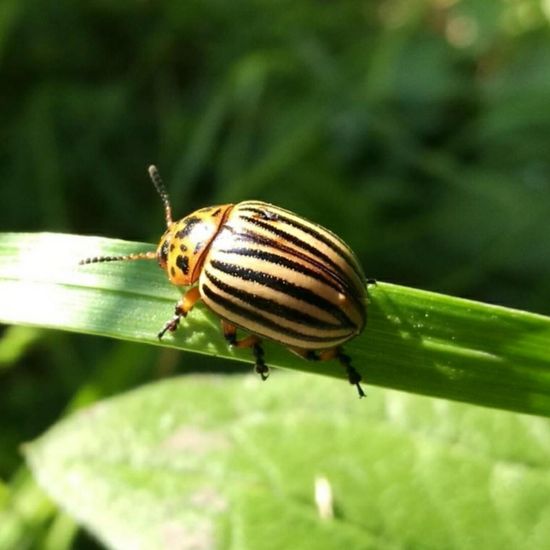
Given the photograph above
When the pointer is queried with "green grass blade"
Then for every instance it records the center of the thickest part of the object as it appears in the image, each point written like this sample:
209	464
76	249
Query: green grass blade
416	341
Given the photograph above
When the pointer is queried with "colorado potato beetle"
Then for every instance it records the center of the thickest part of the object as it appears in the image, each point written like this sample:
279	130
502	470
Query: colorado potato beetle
266	270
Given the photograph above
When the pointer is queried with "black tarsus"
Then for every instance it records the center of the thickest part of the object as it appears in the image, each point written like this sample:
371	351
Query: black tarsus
173	324
259	366
230	338
353	376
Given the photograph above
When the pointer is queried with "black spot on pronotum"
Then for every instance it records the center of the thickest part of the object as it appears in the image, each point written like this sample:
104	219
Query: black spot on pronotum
216	212
172	271
183	263
172	246
163	253
189	224
183	248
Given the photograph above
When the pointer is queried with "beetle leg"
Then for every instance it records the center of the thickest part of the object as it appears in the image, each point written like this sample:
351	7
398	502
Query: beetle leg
353	376
334	353
172	325
183	307
250	341
259	365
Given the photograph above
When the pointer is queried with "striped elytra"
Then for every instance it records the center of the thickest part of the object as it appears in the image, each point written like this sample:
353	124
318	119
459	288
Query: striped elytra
283	278
268	271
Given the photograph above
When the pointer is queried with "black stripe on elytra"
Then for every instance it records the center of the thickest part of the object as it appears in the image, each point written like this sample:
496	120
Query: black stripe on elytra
282	261
271	306
286	287
188	227
260	320
316	234
298	242
343	284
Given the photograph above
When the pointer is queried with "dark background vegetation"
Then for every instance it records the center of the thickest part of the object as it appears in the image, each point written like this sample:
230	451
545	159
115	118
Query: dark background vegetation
418	130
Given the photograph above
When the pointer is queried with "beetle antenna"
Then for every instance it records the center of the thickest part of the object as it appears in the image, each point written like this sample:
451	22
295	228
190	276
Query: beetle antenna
129	257
161	190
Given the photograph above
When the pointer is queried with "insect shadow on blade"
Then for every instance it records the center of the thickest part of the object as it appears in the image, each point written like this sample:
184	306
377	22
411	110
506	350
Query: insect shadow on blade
266	270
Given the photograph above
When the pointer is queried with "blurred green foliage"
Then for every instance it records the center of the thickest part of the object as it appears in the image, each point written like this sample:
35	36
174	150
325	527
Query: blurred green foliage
418	130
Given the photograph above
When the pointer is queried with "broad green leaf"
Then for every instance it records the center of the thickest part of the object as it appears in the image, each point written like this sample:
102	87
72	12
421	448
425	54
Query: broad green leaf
415	340
231	462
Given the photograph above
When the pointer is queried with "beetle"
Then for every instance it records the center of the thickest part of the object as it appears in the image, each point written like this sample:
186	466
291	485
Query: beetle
266	270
